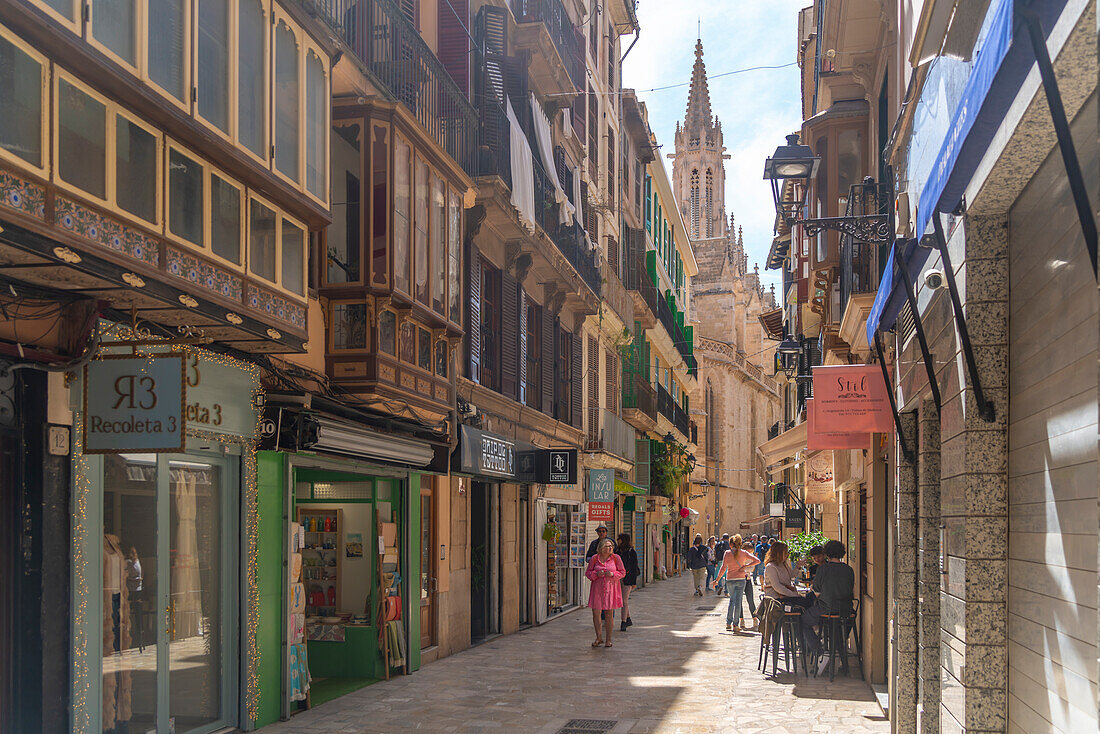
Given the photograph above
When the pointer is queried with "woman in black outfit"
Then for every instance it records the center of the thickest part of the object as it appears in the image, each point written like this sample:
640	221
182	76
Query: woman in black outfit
625	550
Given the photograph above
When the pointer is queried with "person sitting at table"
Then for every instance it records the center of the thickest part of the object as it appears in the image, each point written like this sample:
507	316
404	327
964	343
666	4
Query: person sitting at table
817	557
835	585
779	577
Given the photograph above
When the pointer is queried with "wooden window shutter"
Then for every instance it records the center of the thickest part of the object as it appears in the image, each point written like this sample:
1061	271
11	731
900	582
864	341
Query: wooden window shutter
509	337
593	136
593	391
611	62
521	356
548	359
473	315
641	462
613	254
610	167
612	382
575	383
454	42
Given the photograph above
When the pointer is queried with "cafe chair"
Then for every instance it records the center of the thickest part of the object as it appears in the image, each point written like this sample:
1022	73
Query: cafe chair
834	632
781	627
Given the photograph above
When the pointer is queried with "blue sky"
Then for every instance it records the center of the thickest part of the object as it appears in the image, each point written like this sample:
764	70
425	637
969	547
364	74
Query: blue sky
756	108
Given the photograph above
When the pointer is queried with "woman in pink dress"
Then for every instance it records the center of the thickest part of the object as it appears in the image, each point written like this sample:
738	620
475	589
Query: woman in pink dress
604	571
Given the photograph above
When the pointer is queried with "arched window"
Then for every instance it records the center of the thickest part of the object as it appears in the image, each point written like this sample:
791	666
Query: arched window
695	202
708	210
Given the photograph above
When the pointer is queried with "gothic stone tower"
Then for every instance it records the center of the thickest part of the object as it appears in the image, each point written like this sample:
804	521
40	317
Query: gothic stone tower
698	168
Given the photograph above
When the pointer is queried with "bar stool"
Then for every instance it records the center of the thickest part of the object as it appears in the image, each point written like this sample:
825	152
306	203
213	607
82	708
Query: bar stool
786	633
852	624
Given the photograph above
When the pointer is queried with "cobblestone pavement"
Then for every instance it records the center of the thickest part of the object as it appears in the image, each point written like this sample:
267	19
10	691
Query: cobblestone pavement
675	670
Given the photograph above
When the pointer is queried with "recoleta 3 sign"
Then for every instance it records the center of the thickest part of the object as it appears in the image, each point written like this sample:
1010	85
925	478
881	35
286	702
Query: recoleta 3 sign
134	404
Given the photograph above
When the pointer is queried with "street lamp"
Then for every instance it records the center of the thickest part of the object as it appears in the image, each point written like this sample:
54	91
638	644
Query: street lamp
797	164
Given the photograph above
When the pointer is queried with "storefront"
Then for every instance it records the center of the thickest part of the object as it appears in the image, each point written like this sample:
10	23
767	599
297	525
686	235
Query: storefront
164	536
344	578
520	494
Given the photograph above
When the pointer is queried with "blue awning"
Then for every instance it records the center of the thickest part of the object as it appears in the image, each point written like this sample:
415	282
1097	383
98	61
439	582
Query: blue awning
1000	67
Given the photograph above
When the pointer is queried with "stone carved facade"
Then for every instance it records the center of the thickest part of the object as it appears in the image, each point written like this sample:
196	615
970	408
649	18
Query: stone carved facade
737	398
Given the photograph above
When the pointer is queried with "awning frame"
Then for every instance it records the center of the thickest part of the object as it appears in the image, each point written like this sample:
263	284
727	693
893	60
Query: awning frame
918	322
1061	128
905	452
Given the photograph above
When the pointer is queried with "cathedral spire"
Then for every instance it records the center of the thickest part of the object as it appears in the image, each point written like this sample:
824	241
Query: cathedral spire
698	115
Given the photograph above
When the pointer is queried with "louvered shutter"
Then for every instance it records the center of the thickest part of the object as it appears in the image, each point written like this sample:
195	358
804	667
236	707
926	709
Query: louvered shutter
612	382
509	336
454	42
565	173
593	389
473	316
641	463
593	137
575	383
521	355
548	359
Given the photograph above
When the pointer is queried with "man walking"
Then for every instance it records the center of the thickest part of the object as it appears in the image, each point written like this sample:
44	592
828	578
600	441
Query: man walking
697	564
719	554
594	546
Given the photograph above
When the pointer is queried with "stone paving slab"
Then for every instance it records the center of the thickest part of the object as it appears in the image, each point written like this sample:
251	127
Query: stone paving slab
675	671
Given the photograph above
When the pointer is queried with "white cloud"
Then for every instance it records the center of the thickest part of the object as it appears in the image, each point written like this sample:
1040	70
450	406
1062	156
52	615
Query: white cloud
756	108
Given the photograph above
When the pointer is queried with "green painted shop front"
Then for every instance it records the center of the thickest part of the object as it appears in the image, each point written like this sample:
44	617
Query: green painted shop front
299	486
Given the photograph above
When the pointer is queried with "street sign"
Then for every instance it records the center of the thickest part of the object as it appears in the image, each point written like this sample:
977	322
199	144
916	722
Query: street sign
134	403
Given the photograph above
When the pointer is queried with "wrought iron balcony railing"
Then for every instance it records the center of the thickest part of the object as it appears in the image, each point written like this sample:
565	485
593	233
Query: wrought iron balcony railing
389	45
563	33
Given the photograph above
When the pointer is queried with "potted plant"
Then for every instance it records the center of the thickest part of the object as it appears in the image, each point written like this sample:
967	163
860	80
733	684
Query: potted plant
800	544
669	469
551	532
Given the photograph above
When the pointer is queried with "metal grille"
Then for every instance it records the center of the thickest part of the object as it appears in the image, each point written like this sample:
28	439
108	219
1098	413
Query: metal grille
906	325
343	490
587	726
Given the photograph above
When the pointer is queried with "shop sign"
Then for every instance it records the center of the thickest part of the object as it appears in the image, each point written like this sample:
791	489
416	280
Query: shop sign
546	466
851	399
487	454
819	478
818	440
134	404
601	511
601	485
219	397
795	517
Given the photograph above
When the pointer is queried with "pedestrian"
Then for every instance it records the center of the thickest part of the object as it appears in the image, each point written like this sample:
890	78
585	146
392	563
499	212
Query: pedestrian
625	551
736	565
779	577
760	550
835	586
697	563
817	557
719	553
594	546
712	560
604	570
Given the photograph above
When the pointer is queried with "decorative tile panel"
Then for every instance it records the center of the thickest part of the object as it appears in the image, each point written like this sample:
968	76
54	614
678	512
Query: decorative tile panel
22	196
386	372
192	269
105	231
276	306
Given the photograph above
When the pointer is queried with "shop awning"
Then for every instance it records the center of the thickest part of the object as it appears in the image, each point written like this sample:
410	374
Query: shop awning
784	445
772	321
756	521
777	255
1000	66
624	487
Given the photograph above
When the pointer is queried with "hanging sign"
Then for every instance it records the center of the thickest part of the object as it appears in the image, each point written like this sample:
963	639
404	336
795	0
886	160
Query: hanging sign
817	439
601	485
134	404
601	511
819	478
795	517
851	399
219	396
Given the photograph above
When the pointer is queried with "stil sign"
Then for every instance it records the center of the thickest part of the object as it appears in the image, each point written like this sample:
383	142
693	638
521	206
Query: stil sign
134	404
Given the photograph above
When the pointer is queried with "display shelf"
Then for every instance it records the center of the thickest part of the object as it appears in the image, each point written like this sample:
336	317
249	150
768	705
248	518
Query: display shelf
321	566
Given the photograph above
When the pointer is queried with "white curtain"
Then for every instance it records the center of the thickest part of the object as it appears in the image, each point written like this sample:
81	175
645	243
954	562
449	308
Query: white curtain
546	148
523	171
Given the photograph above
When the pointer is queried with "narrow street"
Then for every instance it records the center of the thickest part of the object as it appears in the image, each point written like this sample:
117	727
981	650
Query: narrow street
675	670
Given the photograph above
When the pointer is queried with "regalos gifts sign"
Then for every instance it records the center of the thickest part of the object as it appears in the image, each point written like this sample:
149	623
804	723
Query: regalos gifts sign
851	399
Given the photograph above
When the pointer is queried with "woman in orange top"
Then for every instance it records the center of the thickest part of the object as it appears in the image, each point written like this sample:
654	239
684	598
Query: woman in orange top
737	564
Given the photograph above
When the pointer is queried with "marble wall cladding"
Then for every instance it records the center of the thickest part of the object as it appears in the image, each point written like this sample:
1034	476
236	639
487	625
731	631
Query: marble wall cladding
22	195
976	537
972	622
973	493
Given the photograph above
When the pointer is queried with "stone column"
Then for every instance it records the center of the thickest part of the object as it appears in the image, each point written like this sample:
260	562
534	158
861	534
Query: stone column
903	714
973	490
928	570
